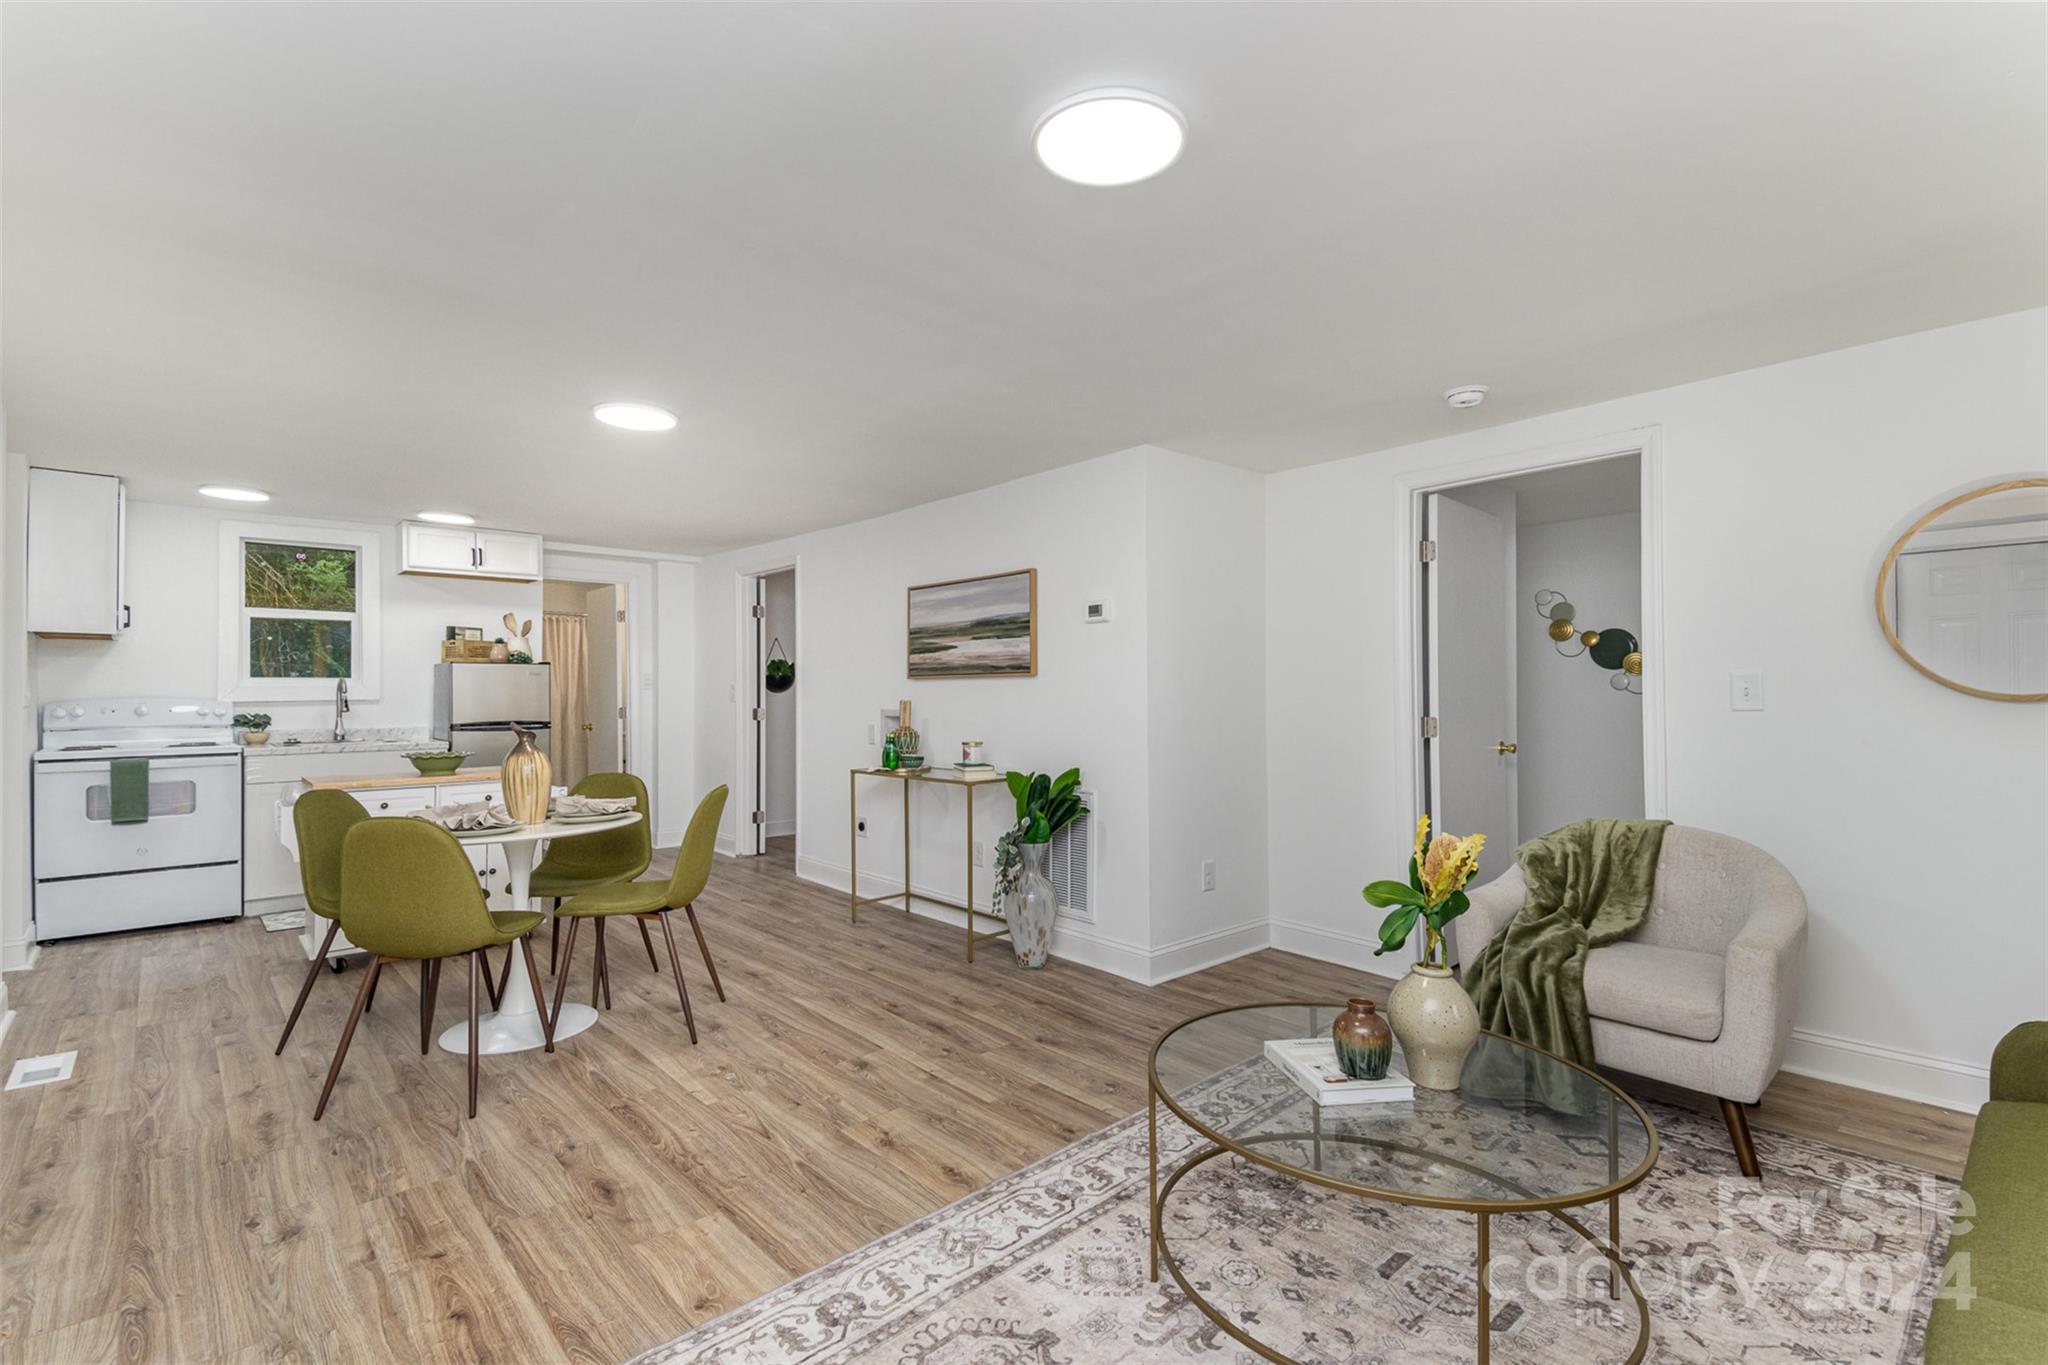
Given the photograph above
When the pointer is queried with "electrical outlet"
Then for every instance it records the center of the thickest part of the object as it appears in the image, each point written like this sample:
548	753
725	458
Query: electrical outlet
1746	690
1209	874
977	853
860	828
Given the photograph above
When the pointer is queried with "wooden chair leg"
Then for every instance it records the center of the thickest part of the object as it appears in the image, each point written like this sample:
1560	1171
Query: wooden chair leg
554	938
648	939
476	959
490	980
504	977
704	948
1737	1119
682	991
312	971
600	970
371	1003
562	977
430	982
540	999
348	1031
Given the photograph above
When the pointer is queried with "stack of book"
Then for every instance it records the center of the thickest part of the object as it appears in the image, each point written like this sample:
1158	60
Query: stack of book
1311	1063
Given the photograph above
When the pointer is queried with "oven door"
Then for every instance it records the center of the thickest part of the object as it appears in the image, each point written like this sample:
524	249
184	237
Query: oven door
195	817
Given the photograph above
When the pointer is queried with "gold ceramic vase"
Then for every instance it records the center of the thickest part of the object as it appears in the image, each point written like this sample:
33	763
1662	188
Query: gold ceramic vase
527	776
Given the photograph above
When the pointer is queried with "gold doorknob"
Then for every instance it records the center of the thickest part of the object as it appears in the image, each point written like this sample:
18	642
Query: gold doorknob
1506	746
588	727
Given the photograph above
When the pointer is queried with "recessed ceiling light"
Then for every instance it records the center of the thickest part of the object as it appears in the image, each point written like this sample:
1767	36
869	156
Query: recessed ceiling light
448	518
635	416
1109	137
221	490
1466	395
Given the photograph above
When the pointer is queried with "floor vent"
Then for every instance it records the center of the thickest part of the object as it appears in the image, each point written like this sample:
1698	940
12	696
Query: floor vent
41	1070
1071	864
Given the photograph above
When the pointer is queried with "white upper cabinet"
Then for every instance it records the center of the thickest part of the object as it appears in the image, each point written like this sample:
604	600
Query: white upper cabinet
76	525
462	552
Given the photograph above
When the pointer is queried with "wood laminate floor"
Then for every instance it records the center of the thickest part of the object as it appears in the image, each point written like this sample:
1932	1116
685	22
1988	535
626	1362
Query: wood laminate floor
176	1201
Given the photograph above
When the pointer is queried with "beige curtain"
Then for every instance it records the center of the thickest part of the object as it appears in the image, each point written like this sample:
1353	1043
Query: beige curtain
565	636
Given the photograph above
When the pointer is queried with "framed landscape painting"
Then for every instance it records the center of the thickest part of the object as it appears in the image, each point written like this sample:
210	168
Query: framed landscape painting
975	627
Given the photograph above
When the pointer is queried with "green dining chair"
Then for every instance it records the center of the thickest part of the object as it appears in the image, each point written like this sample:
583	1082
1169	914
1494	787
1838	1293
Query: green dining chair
590	861
409	894
322	820
652	901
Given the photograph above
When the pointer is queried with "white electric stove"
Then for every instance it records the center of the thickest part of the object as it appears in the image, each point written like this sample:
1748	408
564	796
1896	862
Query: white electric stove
177	862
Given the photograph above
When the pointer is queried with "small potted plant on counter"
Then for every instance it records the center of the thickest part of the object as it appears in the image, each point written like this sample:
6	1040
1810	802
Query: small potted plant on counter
255	727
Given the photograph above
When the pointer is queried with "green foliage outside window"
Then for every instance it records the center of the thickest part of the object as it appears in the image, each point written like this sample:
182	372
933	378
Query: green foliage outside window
298	577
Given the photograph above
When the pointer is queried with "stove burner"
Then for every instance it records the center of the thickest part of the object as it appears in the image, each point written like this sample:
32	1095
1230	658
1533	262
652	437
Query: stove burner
78	748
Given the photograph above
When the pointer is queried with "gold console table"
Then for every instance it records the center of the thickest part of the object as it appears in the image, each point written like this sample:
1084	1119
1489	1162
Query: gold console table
908	778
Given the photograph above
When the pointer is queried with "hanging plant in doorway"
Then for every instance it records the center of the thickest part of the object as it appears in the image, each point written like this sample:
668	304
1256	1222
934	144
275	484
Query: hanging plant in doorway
780	673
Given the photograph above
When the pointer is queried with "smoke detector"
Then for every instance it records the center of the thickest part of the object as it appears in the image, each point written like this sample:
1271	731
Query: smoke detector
1466	395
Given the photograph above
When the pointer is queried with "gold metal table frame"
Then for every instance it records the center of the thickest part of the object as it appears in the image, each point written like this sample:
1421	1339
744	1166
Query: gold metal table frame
1620	1272
909	778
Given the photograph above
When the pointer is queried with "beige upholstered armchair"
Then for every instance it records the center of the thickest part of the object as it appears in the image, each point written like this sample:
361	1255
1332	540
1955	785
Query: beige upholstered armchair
1701	995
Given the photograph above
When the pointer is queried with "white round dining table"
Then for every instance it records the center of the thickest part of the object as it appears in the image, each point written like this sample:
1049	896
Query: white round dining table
515	1026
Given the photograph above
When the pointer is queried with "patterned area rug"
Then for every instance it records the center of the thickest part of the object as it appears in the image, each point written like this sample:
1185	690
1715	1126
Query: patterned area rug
1833	1258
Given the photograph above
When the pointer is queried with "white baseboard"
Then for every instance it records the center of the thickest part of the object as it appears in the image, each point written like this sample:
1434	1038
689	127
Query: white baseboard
780	829
6	1014
1073	940
1939	1081
1329	945
723	844
19	955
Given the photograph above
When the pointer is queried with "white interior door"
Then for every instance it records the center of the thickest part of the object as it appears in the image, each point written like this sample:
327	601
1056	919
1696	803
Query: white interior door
601	626
1469	587
1978	613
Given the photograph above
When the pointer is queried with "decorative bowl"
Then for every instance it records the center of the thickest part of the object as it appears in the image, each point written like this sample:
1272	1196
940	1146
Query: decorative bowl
910	760
433	762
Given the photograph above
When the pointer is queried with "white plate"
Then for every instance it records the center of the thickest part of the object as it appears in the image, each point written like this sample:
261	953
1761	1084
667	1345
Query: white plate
587	819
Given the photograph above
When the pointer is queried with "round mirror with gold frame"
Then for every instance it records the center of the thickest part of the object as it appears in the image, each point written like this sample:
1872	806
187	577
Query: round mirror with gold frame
1963	594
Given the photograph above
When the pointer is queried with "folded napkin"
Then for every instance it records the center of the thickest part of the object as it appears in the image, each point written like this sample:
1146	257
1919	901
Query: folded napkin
594	805
468	815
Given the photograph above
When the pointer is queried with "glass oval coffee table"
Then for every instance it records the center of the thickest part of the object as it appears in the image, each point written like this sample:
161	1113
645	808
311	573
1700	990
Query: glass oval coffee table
1525	1132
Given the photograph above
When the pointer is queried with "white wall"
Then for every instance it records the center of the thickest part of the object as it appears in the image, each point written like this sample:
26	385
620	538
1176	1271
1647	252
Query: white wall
1083	528
17	717
1205	709
172	649
666	691
1579	742
779	763
1912	815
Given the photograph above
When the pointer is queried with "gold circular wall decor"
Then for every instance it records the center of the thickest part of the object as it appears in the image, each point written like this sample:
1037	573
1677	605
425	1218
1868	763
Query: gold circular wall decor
1887	571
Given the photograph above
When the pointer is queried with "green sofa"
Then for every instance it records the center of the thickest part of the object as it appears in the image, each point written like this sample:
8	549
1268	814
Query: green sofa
2006	1236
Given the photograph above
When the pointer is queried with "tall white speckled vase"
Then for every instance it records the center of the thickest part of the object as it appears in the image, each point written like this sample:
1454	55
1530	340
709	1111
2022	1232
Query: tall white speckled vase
1436	1023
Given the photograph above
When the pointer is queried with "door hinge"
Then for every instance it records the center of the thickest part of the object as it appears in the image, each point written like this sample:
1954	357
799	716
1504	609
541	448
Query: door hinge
760	713
1429	727
622	713
1428	551
760	612
760	817
621	614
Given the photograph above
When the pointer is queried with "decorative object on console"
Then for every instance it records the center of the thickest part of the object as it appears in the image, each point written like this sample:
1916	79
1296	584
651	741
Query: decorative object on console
1365	1045
1430	1012
974	627
255	727
908	741
1045	806
430	762
1614	649
970	754
1959	590
527	776
780	674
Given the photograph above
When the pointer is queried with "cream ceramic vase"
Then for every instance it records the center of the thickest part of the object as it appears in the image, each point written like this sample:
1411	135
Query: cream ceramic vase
1436	1023
527	776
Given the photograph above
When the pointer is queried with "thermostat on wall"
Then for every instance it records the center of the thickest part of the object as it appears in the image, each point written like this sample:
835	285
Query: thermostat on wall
1097	611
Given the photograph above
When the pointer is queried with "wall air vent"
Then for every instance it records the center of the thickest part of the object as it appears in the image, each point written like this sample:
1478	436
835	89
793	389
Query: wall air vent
1070	862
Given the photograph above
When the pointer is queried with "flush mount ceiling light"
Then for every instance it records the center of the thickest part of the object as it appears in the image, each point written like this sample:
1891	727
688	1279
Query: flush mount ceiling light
230	494
1109	137
1466	395
448	518
634	416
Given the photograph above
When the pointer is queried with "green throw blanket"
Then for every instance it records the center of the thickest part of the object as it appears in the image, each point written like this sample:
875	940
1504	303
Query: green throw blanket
1589	884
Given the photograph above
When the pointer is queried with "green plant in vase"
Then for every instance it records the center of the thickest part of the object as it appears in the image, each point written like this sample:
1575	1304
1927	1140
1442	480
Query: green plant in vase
254	725
1045	806
1435	1021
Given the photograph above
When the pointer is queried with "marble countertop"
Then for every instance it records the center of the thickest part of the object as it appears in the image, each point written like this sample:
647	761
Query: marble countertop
360	782
387	740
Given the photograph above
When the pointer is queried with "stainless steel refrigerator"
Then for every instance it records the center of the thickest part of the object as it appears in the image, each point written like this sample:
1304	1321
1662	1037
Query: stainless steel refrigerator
475	706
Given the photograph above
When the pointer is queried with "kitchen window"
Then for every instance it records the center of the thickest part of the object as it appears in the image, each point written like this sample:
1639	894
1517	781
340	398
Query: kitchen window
300	611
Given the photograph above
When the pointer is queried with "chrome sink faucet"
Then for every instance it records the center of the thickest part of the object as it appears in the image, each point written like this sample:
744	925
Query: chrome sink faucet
340	709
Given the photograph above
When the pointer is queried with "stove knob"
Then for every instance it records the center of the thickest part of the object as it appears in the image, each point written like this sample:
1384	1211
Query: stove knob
77	711
141	708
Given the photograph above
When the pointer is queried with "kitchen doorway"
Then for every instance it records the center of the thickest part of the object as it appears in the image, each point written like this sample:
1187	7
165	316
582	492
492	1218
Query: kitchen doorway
766	797
584	639
1536	698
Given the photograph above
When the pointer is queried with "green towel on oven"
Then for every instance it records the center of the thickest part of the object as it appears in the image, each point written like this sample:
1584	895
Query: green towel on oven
128	790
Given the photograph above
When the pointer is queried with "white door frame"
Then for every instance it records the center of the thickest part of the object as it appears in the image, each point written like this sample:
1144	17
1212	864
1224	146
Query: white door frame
636	577
1412	488
745	765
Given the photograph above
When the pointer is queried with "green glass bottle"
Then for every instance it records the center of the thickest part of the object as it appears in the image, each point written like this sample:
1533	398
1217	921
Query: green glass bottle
890	758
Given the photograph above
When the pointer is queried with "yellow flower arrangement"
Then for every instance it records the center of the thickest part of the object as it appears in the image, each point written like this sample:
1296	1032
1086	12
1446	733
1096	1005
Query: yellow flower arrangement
1433	894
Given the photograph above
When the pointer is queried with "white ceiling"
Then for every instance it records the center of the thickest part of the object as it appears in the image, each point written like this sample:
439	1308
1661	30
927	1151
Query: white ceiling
377	258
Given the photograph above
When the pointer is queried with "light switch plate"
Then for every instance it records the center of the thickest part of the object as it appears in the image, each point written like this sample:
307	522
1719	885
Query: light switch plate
1209	874
1746	690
